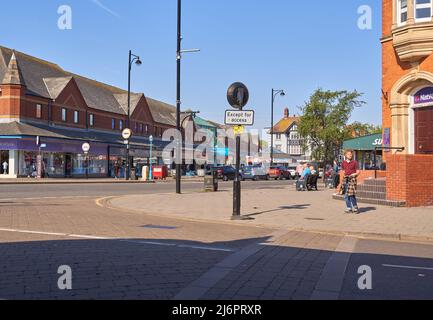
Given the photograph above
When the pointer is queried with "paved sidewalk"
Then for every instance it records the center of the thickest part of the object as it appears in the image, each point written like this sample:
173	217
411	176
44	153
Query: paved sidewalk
285	208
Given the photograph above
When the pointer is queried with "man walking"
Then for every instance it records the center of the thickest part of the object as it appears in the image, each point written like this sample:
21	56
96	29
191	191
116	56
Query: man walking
351	173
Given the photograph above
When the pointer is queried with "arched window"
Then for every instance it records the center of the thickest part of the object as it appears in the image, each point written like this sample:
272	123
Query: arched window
423	10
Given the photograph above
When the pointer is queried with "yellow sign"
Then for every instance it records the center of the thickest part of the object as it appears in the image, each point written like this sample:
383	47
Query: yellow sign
239	129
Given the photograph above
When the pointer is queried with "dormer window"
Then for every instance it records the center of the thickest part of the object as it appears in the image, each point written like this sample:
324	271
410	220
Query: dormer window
423	10
402	12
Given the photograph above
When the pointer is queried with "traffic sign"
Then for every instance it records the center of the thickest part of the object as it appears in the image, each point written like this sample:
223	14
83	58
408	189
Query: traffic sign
127	134
239	129
239	118
238	95
86	147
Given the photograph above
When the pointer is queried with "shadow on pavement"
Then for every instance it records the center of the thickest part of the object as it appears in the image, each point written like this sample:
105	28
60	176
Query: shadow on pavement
160	269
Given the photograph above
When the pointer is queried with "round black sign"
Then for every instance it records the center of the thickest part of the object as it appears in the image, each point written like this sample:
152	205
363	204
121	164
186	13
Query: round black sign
238	95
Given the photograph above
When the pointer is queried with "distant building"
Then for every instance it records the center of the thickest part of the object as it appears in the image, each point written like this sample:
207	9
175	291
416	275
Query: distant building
287	139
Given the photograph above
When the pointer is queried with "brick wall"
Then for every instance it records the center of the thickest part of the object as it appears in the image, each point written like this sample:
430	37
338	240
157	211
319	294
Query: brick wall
364	175
410	178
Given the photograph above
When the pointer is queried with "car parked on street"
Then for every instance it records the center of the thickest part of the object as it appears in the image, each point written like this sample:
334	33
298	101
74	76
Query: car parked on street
254	173
279	173
225	173
293	173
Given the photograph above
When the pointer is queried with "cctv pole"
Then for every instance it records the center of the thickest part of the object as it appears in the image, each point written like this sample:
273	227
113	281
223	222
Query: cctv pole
178	102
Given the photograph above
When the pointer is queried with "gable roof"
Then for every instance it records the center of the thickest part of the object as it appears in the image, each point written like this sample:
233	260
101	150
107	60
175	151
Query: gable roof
285	124
47	80
162	112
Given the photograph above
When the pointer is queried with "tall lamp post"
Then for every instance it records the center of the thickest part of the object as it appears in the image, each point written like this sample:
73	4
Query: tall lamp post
178	98
275	93
132	58
150	159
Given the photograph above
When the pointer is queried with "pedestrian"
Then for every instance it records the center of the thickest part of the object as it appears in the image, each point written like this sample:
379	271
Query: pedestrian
5	167
351	172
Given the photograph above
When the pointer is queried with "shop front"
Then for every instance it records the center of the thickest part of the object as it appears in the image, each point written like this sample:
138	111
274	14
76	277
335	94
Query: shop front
368	151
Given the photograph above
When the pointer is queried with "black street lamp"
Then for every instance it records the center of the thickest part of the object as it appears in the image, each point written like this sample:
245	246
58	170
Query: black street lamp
274	95
132	58
179	52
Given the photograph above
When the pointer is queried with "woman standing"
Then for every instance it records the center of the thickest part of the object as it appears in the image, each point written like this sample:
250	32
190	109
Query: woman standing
351	173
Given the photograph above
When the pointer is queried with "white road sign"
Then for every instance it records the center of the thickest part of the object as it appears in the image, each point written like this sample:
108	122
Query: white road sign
239	118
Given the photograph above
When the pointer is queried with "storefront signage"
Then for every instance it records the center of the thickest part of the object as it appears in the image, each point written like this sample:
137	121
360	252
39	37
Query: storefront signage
424	97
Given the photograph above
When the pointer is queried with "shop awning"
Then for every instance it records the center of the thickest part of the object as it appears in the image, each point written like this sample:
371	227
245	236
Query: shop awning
366	143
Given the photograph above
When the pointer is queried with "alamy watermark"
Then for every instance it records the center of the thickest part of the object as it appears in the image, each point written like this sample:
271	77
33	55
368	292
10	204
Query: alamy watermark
65	280
365	19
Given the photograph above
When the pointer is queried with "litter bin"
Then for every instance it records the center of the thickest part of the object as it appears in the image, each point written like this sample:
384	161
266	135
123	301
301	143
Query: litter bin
211	182
134	174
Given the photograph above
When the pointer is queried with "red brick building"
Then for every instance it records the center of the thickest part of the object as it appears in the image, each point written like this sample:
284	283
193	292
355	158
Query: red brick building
408	100
40	99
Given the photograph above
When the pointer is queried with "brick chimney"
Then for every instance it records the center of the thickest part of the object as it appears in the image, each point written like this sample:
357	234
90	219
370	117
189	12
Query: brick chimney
286	113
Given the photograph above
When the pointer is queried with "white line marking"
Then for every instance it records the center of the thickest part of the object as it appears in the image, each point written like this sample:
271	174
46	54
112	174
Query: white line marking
46	198
152	243
406	267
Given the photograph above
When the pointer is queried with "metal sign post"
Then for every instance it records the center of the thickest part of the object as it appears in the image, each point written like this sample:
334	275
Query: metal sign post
126	135
238	96
86	149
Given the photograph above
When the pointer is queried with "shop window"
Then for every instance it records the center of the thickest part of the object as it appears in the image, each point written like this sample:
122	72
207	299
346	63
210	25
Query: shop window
76	117
113	124
402	12
120	125
64	115
38	111
423	10
91	120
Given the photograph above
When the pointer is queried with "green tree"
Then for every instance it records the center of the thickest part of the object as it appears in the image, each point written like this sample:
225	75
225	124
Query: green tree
324	122
359	129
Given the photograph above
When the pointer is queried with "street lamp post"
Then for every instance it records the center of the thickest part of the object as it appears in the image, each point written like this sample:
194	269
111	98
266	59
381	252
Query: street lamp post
178	96
132	58
150	159
274	95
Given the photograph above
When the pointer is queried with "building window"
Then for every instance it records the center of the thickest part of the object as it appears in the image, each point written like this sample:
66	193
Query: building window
113	124
38	111
401	12
76	117
423	10
91	120
141	128
64	115
120	124
147	129
136	127
278	136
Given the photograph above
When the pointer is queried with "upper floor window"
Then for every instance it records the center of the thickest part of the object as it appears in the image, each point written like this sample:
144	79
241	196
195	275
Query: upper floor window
120	124
91	120
38	111
278	136
76	117
113	124
423	10
141	128
402	13
147	129
64	115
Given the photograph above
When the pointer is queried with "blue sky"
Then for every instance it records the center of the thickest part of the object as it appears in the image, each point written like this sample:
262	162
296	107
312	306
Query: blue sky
298	46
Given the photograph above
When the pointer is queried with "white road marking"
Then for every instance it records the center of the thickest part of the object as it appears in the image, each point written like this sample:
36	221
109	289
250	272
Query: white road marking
46	198
152	243
406	267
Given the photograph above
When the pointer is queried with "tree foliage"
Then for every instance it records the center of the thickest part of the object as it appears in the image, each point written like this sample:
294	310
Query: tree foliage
325	120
